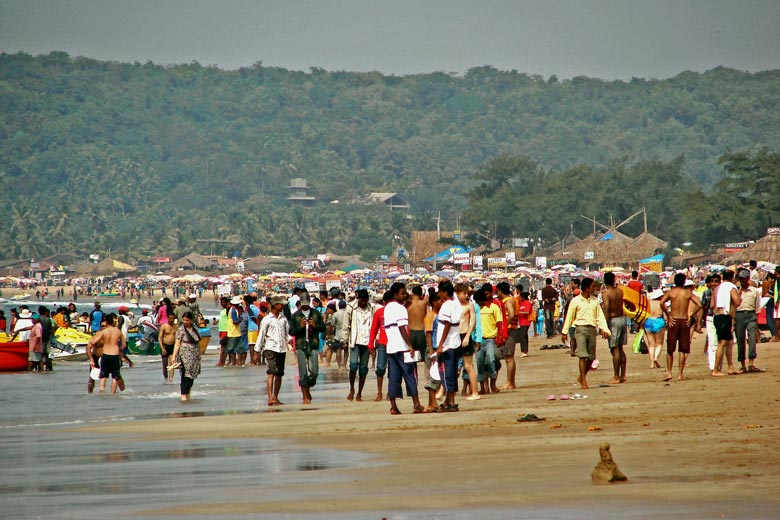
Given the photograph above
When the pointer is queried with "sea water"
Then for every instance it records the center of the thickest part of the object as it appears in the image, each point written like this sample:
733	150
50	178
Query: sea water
47	470
50	471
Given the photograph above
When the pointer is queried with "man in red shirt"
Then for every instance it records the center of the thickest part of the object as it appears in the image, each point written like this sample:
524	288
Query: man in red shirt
524	308
378	341
635	284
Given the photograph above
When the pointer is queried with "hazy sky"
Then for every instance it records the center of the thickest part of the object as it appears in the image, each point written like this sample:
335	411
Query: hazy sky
606	39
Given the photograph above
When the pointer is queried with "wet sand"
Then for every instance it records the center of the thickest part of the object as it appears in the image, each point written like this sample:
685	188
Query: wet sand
703	447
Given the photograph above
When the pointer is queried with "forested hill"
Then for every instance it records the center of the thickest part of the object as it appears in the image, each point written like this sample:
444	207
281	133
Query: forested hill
144	158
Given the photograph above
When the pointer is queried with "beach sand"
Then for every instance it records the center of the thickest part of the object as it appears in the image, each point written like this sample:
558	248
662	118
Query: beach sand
701	448
705	445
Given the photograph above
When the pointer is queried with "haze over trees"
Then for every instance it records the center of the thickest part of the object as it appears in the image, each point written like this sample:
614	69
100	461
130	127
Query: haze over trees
141	159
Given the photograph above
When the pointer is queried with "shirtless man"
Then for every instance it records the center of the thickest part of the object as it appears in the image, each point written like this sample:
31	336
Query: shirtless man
678	323
167	341
725	300
110	362
417	308
612	304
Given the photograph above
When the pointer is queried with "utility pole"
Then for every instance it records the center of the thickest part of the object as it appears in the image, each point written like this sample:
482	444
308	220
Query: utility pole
438	237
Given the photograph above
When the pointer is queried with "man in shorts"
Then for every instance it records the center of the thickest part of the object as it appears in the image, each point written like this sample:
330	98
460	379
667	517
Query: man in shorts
167	341
35	344
512	338
111	361
272	340
417	307
587	318
684	304
612	305
725	300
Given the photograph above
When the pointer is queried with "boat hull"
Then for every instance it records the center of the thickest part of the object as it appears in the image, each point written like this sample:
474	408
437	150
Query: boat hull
13	356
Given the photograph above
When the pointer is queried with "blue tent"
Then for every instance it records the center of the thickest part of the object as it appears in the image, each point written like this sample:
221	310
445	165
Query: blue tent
447	254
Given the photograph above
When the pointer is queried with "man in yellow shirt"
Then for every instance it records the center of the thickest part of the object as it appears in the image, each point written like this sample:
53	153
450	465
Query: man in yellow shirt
587	317
491	316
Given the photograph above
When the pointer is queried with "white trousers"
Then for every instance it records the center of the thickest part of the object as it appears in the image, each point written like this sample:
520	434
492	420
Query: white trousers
712	342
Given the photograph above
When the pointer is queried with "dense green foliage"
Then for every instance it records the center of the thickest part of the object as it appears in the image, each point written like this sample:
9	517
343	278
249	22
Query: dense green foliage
141	159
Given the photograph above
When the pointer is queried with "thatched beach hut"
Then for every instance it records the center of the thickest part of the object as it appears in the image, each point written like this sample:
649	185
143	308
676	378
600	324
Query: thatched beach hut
766	249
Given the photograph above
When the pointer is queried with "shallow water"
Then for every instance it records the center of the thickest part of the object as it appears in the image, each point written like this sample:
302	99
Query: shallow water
47	471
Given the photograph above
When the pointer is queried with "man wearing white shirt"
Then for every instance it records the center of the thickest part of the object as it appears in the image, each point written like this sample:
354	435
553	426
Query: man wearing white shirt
725	300
447	343
272	340
396	327
357	329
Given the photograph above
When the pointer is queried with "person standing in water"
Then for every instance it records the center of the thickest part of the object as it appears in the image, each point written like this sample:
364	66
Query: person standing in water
186	352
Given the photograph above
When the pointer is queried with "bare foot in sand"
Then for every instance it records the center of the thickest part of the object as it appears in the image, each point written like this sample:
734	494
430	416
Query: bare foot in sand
358	397
351	396
716	373
614	381
623	379
668	376
395	411
378	398
508	387
680	377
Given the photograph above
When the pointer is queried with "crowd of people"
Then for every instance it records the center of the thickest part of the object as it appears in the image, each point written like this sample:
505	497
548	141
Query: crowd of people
462	336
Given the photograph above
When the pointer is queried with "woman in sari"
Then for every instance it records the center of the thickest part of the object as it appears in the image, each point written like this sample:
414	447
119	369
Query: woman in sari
186	352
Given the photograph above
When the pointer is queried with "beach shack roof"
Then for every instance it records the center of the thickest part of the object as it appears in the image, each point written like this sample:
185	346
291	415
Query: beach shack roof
389	199
109	266
192	261
766	249
647	244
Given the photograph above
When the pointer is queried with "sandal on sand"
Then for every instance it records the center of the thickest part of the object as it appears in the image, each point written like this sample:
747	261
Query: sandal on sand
579	396
755	369
552	397
564	397
530	417
174	366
